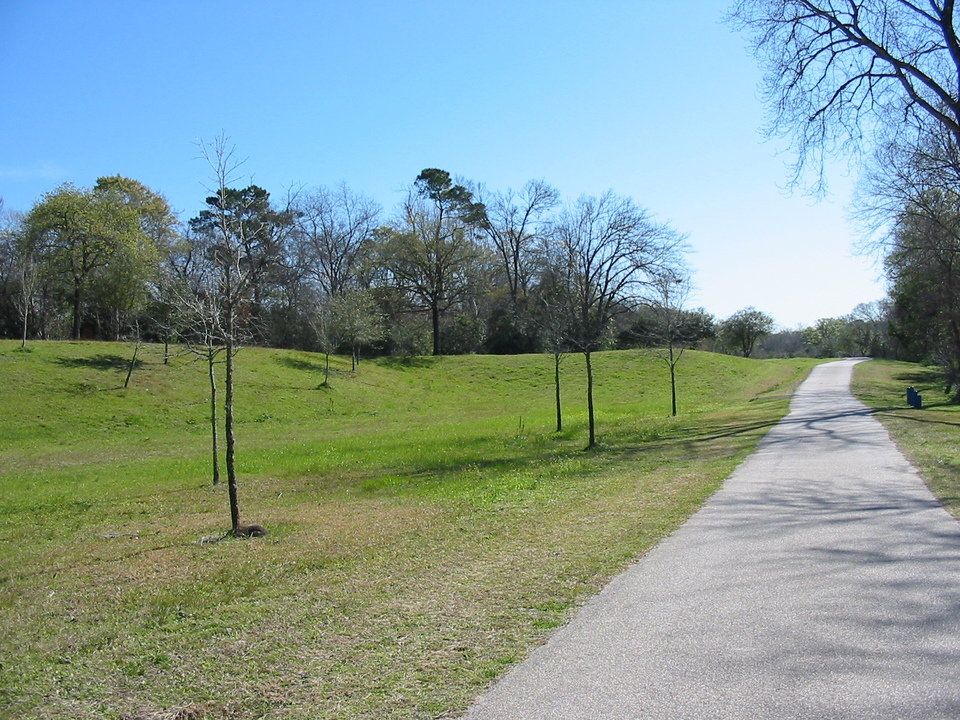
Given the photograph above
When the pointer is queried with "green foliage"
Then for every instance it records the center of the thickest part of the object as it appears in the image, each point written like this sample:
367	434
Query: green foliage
923	265
93	249
743	329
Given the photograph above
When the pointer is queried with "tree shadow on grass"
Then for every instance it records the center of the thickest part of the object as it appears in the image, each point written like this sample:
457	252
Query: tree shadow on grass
100	362
310	366
413	361
921	376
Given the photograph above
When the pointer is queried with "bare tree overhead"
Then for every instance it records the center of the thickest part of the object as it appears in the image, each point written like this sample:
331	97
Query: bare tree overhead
840	72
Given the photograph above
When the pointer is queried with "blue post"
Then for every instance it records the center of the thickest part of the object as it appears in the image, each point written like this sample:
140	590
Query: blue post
914	399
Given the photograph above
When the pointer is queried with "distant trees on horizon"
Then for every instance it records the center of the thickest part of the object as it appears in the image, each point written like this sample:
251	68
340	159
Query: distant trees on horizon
459	269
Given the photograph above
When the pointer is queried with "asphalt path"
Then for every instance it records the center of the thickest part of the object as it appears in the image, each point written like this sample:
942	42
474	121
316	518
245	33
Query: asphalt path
821	581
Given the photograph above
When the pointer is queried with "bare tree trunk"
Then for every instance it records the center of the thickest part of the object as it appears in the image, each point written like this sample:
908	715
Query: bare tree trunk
673	382
556	384
214	435
590	419
228	426
133	362
23	338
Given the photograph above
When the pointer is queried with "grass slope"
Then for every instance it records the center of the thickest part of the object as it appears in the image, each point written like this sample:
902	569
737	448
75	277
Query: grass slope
928	437
426	525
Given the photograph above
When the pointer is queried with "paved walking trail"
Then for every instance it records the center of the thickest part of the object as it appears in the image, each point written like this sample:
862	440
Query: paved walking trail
821	581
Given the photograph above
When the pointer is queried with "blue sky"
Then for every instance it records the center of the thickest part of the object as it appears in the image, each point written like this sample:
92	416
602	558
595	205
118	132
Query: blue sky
654	100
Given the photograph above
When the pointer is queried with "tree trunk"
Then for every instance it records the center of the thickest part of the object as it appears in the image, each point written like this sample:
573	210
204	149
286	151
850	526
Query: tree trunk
76	312
23	338
133	362
673	383
214	436
590	419
228	426
435	318
556	384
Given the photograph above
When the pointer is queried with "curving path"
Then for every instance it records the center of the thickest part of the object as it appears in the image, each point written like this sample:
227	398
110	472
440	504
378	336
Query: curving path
821	581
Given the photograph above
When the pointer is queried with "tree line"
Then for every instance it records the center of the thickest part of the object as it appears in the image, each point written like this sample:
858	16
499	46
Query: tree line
456	269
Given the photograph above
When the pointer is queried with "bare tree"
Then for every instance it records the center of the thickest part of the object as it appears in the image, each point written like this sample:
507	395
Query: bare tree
668	296
611	250
552	315
243	242
332	226
190	286
838	71
26	264
514	223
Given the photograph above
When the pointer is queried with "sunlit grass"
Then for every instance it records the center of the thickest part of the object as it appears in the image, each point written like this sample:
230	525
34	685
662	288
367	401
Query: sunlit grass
426	525
929	437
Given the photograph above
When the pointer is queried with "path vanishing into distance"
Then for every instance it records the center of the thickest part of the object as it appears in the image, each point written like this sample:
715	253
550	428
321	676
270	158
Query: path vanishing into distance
821	581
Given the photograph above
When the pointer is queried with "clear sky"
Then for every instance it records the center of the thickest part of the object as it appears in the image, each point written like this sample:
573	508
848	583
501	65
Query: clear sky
655	100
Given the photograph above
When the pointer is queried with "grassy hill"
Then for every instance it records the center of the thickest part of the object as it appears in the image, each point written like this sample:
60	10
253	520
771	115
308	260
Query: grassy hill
426	525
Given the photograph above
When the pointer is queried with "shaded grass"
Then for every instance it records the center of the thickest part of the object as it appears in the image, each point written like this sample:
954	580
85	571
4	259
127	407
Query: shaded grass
426	526
929	436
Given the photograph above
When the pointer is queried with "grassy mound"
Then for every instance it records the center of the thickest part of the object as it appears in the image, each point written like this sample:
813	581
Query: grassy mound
426	525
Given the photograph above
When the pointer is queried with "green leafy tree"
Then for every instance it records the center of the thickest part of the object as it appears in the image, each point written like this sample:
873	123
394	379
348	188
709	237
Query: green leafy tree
87	240
431	254
744	329
923	264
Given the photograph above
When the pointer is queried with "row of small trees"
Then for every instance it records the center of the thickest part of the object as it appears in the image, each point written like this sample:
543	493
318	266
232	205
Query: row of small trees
116	253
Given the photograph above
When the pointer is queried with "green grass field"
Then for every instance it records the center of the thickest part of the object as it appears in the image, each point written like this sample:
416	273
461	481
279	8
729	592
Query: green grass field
426	525
928	437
